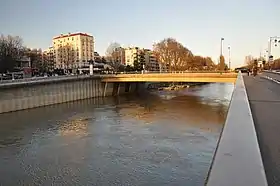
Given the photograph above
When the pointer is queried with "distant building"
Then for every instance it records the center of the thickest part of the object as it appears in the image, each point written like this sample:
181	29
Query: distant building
49	55
24	65
151	63
73	50
119	55
144	57
23	62
130	55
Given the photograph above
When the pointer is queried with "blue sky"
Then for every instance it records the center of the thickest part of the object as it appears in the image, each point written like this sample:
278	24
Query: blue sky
199	24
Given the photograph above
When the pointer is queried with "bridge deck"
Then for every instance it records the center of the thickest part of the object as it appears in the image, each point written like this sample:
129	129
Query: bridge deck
264	99
173	77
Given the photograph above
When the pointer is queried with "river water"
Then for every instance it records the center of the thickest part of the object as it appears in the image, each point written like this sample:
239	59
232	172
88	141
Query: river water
161	138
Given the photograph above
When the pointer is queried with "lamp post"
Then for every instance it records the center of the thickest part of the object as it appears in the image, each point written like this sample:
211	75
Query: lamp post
229	57
222	39
272	40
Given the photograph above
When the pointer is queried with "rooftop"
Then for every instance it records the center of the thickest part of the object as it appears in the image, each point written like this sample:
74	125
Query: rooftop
70	35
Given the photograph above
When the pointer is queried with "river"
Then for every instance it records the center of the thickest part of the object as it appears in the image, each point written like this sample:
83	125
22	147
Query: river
161	138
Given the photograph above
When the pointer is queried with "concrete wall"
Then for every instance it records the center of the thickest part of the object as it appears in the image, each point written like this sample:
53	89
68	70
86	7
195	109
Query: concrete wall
25	96
237	160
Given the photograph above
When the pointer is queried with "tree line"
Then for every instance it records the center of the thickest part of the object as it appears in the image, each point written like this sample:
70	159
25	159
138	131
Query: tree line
12	52
170	53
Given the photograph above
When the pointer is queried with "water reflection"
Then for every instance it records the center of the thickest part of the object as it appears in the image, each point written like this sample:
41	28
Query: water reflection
131	140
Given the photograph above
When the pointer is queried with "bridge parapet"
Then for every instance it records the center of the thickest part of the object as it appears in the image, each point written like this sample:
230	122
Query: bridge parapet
172	77
237	160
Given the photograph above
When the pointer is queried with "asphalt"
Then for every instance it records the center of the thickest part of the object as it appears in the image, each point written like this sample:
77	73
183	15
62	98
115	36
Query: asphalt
264	99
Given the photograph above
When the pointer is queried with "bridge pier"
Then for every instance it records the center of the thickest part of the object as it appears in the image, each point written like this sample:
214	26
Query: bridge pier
116	89
127	87
105	89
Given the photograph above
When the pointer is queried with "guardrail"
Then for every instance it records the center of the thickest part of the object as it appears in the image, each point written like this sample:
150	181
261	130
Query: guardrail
237	160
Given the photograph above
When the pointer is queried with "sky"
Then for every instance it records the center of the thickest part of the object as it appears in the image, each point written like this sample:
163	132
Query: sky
245	25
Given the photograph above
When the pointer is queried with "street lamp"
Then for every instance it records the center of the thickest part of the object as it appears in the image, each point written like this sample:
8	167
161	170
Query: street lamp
272	40
229	57
222	39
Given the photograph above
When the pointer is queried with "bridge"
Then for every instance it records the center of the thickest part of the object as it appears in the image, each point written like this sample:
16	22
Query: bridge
206	77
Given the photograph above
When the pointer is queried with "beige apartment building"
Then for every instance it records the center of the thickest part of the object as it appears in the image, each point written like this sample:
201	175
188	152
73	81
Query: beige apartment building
145	57
119	55
73	50
130	55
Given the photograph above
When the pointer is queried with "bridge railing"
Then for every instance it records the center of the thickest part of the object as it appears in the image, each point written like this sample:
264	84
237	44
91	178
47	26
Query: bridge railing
171	72
57	78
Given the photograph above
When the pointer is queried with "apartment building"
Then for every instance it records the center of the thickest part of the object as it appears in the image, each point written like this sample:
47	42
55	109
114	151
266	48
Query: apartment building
49	54
73	50
151	63
130	55
119	55
144	57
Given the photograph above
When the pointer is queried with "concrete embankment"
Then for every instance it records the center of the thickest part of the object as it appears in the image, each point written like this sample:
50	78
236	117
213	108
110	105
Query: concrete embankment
24	95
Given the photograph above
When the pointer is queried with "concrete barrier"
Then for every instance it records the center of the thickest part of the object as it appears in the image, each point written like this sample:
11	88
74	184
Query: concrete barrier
237	160
25	95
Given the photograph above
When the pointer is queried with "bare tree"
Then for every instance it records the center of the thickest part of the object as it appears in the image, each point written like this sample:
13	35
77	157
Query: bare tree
222	65
115	60
177	57
114	55
172	53
11	50
111	49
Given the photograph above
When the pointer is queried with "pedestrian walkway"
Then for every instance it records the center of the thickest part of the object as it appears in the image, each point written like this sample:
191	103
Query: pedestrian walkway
264	99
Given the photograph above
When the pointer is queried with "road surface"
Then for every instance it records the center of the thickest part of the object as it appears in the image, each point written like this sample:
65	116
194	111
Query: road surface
264	98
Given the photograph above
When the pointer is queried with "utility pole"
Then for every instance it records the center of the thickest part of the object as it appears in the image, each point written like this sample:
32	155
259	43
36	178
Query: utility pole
229	57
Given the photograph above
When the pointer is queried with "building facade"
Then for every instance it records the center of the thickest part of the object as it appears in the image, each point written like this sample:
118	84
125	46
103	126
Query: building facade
130	54
73	50
144	58
49	57
151	63
119	55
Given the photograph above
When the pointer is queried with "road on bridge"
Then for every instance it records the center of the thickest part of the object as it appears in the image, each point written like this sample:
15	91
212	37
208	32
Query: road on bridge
264	98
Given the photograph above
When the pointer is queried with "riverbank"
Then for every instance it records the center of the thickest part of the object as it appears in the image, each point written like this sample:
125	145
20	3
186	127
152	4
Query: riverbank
172	86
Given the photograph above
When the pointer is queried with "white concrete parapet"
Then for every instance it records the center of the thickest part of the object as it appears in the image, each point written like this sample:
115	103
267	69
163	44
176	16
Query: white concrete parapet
237	160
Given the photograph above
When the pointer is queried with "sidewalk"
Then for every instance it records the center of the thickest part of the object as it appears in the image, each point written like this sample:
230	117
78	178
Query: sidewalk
264	99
